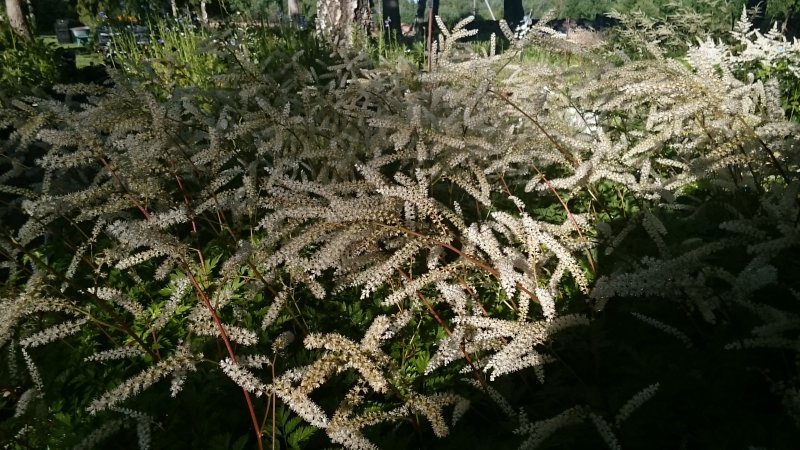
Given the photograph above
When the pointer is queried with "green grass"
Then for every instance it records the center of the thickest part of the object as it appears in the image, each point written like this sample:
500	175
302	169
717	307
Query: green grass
85	56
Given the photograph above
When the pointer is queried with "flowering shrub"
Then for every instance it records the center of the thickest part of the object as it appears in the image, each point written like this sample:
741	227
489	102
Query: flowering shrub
380	249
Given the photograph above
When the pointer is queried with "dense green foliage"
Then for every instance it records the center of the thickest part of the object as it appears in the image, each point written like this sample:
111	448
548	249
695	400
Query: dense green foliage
588	245
48	11
26	64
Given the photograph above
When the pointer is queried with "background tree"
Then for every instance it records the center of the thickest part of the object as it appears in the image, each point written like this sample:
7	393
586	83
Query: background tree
391	13
339	20
293	8
48	11
16	18
513	12
203	11
782	10
419	17
87	10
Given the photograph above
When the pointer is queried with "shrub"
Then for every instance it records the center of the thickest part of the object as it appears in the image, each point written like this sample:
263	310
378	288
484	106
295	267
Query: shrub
26	63
374	246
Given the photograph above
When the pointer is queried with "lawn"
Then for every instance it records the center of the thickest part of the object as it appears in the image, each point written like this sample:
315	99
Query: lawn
85	55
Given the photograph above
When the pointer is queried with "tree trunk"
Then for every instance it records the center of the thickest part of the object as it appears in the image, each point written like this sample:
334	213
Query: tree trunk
203	12
338	20
785	24
294	10
17	19
29	9
513	12
174	6
435	10
419	19
391	16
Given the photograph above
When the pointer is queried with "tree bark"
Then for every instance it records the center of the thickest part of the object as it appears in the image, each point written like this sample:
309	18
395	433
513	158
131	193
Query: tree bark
338	20
419	19
293	9
391	13
17	19
513	12
435	10
785	24
203	12
29	9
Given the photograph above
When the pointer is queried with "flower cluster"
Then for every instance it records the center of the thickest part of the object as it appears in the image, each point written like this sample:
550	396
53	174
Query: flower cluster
181	360
448	199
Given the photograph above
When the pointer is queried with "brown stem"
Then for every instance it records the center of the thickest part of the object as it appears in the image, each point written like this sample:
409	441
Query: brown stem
430	40
186	200
224	334
442	324
428	306
474	295
475	261
571	218
128	193
774	159
274	403
155	341
567	155
571	158
270	398
301	322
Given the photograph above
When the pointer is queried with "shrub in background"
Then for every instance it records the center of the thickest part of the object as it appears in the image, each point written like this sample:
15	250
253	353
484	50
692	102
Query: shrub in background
26	63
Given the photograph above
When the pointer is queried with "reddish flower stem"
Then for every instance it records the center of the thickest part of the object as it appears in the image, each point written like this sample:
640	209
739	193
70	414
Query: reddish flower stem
201	293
